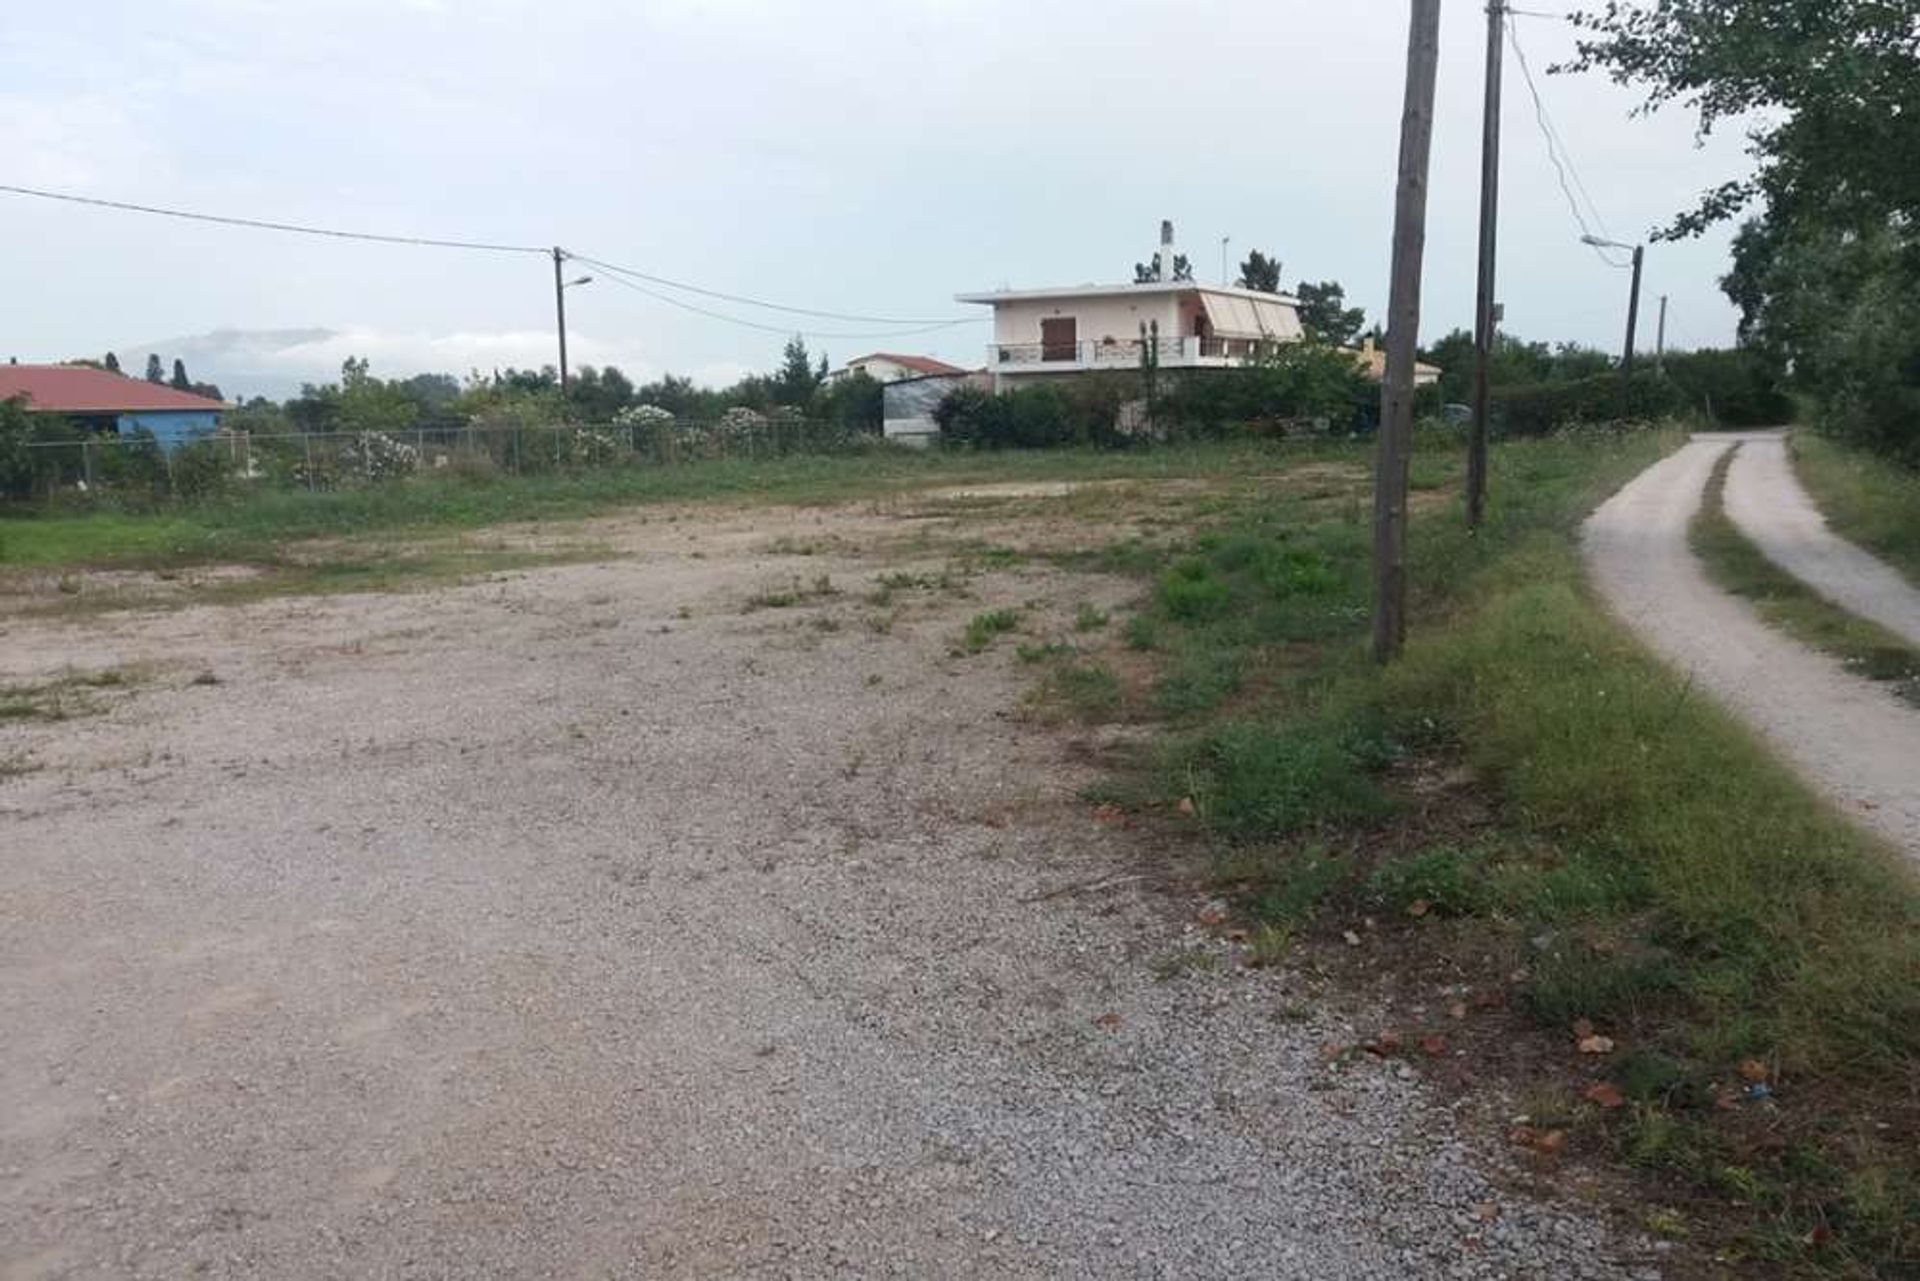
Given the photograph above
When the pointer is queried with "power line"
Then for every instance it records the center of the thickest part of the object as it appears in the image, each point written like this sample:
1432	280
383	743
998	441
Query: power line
771	329
264	225
1557	153
761	303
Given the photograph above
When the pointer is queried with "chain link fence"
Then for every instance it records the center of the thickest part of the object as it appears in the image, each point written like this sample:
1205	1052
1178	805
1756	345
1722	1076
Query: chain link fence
317	461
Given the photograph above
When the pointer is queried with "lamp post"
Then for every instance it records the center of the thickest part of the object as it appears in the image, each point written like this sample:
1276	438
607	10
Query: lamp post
560	288
1633	307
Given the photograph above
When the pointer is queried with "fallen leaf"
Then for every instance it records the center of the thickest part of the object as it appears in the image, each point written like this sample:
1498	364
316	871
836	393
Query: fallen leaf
1457	1010
1434	1044
1596	1044
1419	907
1486	1211
1754	1070
1606	1094
1332	1050
1353	940
1106	813
1111	1019
1213	913
1545	1142
1186	805
1236	936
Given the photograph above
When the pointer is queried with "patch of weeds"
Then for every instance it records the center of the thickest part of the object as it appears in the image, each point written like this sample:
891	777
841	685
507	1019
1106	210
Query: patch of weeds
1445	880
1202	678
880	624
983	628
61	698
1257	778
1269	943
1294	884
826	623
1043	651
1088	691
16	765
1571	980
1176	962
1142	633
1088	618
1189	592
796	592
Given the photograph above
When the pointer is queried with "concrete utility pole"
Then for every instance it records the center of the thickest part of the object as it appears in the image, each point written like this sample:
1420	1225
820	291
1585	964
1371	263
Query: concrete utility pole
1633	313
1484	323
1660	340
560	312
1395	446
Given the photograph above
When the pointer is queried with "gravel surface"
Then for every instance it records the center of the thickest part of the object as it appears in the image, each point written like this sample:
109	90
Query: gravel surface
1853	739
587	922
1765	499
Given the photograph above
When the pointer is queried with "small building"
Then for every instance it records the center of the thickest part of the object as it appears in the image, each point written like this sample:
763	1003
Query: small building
110	404
893	367
907	405
1041	333
1373	363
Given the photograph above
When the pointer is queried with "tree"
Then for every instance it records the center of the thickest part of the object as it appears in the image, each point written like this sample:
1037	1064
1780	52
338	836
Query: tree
180	381
1829	94
1325	315
797	379
112	363
1260	272
1147	273
155	374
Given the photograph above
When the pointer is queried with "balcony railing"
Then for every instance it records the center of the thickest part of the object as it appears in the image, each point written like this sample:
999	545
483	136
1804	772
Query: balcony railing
1121	353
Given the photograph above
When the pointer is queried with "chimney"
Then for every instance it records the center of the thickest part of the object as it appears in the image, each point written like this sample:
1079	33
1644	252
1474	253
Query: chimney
1163	260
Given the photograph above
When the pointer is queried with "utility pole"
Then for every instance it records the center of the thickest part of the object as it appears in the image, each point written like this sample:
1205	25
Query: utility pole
1633	319
1484	323
1223	258
1395	446
560	312
1660	340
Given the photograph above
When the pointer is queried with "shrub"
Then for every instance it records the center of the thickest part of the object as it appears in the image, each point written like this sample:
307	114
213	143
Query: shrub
1298	381
1734	387
1538	409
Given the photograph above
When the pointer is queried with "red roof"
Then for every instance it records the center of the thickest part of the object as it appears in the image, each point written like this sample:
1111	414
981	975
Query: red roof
924	364
78	389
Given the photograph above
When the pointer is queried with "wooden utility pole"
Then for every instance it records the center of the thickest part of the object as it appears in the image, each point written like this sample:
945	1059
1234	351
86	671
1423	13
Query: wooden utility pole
1633	320
1484	324
1395	446
560	312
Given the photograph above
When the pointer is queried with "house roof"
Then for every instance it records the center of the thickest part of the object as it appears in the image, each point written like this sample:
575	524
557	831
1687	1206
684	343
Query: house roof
921	364
79	389
1373	363
1102	291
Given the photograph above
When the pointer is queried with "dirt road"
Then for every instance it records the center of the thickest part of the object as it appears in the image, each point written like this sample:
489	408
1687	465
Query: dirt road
1766	500
592	922
1854	740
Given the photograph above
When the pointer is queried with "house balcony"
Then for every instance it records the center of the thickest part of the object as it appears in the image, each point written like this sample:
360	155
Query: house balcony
1179	352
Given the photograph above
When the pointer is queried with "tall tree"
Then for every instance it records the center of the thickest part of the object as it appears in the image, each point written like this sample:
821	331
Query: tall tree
180	381
1147	273
113	363
1260	272
795	383
155	372
1324	313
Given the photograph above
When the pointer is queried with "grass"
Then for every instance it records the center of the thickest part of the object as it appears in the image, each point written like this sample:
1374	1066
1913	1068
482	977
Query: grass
1626	847
244	526
983	628
63	698
1787	603
1867	499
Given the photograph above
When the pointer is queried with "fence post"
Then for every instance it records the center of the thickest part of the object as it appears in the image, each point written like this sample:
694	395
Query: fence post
86	461
306	439
516	449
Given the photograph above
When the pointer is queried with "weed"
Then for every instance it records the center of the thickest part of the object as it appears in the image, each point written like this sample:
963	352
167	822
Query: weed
1444	880
1177	962
1089	619
1269	944
1294	886
1043	651
983	628
1088	691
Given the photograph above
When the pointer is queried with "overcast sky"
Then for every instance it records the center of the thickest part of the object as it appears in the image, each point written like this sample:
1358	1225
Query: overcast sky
854	157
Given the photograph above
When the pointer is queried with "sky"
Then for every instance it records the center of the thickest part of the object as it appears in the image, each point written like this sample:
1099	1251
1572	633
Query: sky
869	159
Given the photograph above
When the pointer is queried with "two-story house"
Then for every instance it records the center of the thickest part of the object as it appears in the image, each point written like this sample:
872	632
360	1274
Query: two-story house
1039	333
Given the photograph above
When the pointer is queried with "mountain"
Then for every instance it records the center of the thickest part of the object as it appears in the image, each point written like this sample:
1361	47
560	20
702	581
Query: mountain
245	362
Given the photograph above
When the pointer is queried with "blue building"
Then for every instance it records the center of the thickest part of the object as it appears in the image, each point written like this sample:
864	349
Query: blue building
111	404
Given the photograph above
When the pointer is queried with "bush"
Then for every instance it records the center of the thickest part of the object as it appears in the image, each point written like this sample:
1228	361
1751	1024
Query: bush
1539	409
26	470
1299	381
1733	387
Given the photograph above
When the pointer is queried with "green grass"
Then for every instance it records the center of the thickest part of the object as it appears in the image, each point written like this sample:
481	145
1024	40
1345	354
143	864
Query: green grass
1866	499
1787	603
1648	865
983	628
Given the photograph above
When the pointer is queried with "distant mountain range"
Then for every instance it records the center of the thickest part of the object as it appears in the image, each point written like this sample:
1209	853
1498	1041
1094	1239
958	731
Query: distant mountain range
245	362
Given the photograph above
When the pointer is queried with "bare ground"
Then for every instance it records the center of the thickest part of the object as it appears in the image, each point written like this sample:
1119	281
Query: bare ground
591	921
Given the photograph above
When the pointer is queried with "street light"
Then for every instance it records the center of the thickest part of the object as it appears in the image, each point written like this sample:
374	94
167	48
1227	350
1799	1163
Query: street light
1633	298
560	288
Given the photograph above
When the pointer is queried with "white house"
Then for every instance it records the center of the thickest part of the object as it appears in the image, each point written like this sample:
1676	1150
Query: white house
1041	333
893	366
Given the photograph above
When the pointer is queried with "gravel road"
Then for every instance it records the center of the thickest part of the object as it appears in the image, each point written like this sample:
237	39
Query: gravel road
1766	500
587	922
1854	740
